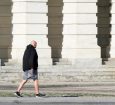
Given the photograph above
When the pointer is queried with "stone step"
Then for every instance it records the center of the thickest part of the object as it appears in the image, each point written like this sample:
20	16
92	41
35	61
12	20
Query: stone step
88	76
111	63
64	61
84	70
73	63
11	62
80	64
80	61
59	68
63	76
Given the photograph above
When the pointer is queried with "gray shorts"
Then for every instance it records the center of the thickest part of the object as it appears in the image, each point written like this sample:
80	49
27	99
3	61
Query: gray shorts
30	74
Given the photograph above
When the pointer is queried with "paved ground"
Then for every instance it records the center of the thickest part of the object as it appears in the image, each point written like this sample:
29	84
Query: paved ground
58	101
64	89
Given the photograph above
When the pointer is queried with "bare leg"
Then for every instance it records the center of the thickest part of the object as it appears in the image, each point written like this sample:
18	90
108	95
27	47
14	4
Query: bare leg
21	85
36	87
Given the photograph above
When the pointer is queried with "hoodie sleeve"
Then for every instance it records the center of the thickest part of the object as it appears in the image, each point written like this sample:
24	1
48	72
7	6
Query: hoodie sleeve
31	58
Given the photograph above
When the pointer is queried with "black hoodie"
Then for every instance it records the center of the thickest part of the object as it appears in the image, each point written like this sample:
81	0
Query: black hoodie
30	58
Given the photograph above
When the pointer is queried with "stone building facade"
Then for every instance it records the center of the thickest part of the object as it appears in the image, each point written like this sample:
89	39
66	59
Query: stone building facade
66	30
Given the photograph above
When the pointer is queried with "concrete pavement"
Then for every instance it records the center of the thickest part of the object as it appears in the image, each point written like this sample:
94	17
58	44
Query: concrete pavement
64	89
58	100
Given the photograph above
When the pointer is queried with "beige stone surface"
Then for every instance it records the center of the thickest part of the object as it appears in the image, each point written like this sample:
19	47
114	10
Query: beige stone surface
32	25
71	25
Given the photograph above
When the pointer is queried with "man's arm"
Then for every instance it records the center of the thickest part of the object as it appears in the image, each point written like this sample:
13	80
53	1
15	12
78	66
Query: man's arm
31	59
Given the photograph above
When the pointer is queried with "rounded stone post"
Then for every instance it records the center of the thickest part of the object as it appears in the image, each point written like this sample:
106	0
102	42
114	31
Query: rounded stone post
55	28
104	28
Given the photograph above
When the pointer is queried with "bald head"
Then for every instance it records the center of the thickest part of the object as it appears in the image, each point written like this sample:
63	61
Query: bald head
34	43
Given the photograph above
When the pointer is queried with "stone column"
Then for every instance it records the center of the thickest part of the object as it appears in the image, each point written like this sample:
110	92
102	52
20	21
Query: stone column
55	28
30	23
104	28
5	30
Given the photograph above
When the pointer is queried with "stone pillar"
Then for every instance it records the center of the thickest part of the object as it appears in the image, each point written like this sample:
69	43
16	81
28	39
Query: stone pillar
5	30
55	28
104	28
30	23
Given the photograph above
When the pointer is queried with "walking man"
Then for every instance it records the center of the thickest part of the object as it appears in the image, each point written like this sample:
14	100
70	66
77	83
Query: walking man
30	66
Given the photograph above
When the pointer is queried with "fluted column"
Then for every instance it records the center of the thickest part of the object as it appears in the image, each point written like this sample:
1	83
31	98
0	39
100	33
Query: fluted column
104	28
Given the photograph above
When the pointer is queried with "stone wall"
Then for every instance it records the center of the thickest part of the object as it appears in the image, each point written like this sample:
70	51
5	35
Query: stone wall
72	29
30	23
113	29
69	24
79	29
